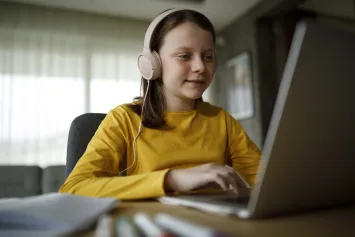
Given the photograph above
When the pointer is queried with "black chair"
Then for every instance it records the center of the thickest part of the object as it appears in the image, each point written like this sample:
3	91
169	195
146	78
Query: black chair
81	131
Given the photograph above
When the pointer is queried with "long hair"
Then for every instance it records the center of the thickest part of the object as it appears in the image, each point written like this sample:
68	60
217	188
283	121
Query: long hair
153	113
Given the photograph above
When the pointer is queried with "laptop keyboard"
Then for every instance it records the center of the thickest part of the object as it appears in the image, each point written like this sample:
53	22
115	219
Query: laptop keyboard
227	198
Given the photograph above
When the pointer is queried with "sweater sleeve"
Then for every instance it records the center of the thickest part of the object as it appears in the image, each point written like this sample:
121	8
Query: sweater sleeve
242	151
95	174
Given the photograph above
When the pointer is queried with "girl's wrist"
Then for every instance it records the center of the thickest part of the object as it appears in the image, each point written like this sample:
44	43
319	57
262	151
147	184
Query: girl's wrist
169	182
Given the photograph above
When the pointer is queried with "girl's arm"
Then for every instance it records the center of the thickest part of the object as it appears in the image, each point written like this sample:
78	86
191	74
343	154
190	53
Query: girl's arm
95	174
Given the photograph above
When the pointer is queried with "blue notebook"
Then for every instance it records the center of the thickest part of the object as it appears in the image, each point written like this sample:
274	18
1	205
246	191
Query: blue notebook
54	214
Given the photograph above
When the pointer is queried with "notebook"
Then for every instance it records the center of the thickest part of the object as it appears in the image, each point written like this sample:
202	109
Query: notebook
53	214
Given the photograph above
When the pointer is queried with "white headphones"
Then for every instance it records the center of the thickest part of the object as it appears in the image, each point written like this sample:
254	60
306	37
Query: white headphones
149	62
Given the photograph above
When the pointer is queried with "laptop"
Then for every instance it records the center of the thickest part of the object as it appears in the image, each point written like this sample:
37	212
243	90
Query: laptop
308	157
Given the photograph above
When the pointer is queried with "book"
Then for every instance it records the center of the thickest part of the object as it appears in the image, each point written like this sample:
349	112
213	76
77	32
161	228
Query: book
53	214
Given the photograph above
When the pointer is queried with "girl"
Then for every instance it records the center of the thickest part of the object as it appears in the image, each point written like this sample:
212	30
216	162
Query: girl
170	139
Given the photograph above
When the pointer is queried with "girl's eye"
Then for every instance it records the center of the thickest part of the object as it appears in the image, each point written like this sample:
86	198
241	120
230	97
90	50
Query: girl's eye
184	56
209	57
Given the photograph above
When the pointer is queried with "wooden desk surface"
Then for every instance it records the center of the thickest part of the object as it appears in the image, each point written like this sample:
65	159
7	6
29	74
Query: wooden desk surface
330	222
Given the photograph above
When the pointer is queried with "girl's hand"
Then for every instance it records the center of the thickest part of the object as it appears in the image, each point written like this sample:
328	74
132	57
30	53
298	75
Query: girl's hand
183	180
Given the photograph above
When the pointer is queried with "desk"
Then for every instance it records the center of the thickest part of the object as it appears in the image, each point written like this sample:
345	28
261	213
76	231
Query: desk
331	222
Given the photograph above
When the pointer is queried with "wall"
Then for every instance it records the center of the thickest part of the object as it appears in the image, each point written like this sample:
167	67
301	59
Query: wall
66	21
255	32
238	37
247	33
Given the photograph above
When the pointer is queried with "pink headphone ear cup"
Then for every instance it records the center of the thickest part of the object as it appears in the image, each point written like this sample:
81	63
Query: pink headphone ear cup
149	65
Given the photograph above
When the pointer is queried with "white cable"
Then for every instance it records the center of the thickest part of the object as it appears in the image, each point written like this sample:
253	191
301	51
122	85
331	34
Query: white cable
139	132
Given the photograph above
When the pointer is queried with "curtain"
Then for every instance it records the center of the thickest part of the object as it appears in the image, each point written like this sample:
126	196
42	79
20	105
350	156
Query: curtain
55	66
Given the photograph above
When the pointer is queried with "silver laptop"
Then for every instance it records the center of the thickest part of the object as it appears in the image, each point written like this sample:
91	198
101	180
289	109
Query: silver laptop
309	153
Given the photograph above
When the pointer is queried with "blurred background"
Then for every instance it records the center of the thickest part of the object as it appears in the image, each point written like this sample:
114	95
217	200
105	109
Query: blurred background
61	59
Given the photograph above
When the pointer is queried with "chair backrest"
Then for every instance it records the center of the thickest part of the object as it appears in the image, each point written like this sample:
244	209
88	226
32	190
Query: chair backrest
20	181
81	131
53	178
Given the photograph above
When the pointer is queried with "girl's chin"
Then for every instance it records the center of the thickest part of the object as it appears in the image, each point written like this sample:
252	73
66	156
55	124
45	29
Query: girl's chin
193	96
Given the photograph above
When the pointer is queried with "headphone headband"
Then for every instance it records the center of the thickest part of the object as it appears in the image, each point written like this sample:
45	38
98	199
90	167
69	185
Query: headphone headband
153	25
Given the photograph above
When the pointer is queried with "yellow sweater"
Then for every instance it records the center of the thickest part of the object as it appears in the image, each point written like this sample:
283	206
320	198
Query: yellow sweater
206	134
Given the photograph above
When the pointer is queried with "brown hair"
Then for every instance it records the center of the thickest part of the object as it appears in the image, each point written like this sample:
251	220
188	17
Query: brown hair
153	113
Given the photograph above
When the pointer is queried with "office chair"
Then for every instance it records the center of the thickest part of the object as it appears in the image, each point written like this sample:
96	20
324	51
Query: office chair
82	129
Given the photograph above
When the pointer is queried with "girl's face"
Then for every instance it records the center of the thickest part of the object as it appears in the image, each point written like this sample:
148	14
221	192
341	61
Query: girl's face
188	63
